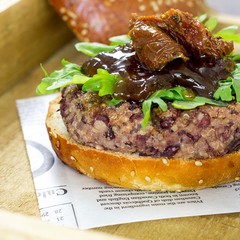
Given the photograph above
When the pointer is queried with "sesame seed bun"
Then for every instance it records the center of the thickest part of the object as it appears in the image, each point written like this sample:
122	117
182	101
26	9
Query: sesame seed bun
98	20
132	171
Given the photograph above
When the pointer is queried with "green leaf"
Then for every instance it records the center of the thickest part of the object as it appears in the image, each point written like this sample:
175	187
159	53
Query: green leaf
103	82
179	100
157	97
196	102
229	89
42	89
119	40
59	78
209	101
114	102
229	37
228	30
224	92
211	23
236	57
236	85
228	33
202	18
186	105
75	79
146	108
92	48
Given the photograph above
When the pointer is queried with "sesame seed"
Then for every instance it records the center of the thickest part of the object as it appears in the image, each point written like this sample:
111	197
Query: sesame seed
72	14
62	10
198	163
168	2
190	4
85	25
84	32
174	128
200	181
142	8
73	23
185	115
154	6
57	144
54	134
86	39
148	179
165	161
237	178
73	158
132	173
65	18
98	147
123	179
91	169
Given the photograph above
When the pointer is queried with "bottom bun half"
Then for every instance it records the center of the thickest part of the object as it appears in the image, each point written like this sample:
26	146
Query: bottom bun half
132	171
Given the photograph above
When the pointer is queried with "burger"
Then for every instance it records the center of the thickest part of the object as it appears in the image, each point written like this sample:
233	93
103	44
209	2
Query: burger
156	109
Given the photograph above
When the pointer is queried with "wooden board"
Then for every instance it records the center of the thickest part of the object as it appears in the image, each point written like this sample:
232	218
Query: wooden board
17	193
30	32
18	226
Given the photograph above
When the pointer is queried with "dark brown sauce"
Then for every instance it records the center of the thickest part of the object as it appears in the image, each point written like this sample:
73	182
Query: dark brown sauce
138	83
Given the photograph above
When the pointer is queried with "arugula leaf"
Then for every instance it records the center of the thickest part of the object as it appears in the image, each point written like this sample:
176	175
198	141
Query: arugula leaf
180	100
229	89
177	93
146	108
228	30
229	37
236	57
119	40
114	102
228	33
224	91
236	82
211	23
202	18
196	102
93	48
59	78
103	82
186	105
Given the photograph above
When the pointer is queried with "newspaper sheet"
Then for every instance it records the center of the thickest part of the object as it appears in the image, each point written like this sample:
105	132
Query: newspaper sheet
70	199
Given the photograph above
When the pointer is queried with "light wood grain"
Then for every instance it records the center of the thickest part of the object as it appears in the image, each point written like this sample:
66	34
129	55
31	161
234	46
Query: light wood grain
17	192
17	226
30	31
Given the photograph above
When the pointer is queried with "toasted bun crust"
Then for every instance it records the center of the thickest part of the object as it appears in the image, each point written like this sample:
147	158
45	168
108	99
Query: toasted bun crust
97	20
131	171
